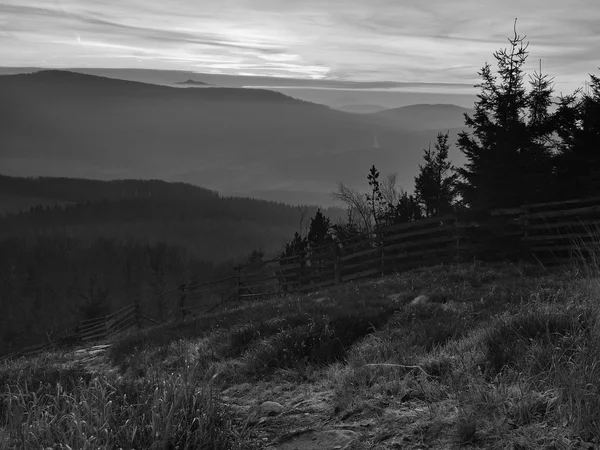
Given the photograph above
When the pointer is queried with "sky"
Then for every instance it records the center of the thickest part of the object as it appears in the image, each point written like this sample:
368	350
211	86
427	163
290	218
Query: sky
414	45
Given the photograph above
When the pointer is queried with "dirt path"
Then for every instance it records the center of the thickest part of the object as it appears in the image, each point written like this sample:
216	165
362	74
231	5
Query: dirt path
303	417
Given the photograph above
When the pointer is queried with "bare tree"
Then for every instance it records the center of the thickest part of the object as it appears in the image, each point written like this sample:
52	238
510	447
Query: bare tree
302	210
356	203
391	194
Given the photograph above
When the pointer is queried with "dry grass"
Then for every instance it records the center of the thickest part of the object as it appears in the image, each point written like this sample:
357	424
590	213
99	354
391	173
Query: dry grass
505	356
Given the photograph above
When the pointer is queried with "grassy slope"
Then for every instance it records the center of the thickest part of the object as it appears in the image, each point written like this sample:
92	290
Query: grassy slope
501	357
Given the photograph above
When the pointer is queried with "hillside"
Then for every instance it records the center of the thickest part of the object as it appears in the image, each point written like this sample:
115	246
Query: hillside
191	82
70	246
425	117
149	211
360	109
467	356
231	140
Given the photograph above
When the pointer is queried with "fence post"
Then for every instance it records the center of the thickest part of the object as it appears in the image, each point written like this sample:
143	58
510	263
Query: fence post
382	255
301	260
457	258
137	312
335	253
238	284
182	295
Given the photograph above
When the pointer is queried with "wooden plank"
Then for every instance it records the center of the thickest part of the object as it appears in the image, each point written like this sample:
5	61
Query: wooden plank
259	294
93	332
416	264
260	280
565	202
508	211
552	248
289	266
368	241
360	253
94	328
443	239
362	274
319	256
98	335
120	311
123	328
32	349
418	223
468	224
121	320
322	284
563	213
556	237
289	258
433	251
348	267
92	321
445	229
557	225
123	312
200	285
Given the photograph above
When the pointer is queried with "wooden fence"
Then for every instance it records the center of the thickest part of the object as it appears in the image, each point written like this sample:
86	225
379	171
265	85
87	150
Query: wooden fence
550	233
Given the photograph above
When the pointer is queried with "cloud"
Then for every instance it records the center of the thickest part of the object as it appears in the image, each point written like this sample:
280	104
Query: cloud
440	43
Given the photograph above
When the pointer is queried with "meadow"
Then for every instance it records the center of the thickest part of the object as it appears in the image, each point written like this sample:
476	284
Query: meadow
495	356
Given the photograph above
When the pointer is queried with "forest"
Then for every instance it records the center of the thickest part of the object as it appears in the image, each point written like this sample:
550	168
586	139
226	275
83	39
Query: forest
96	246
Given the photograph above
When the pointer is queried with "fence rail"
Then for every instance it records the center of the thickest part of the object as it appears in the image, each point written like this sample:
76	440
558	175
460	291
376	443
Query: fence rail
545	232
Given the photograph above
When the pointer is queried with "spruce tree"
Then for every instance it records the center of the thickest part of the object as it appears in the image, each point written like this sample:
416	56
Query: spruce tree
375	199
578	159
435	186
506	153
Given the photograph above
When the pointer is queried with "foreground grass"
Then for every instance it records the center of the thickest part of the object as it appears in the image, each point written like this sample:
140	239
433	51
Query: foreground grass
504	356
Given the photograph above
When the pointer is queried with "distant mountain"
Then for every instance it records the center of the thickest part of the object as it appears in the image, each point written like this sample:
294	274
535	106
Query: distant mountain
425	117
360	109
233	140
192	83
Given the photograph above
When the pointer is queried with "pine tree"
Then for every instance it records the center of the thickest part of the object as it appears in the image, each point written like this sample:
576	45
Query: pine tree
435	186
319	232
500	151
578	159
537	152
406	210
375	199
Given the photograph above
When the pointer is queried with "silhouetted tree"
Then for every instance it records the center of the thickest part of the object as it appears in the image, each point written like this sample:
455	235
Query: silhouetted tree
319	232
375	198
578	159
435	185
348	228
504	151
407	209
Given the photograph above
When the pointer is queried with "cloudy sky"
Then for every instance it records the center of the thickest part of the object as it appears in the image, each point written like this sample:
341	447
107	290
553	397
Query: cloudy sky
438	43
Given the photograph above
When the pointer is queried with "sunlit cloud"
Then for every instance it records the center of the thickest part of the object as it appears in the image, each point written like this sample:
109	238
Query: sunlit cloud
434	42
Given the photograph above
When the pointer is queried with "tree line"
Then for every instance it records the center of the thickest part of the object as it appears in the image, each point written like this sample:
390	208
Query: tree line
522	146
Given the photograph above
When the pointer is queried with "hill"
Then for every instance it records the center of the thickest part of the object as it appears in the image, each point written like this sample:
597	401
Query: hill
71	247
502	356
425	117
361	109
191	82
179	214
228	139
